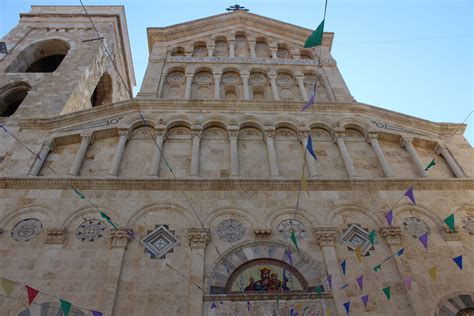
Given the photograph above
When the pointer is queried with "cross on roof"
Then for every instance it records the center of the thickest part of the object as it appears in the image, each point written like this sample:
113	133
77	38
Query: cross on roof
237	7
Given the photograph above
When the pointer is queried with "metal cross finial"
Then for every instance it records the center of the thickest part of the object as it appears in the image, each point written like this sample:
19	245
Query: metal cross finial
237	7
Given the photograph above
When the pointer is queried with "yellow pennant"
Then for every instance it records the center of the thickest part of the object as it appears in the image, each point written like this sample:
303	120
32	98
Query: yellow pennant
358	253
433	272
304	184
328	312
8	286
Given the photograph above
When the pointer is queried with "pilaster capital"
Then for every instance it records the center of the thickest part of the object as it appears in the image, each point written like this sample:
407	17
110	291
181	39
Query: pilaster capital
372	136
49	144
198	237
272	75
87	138
440	148
233	131
160	132
303	134
269	132
119	238
55	236
338	136
406	141
196	130
391	234
217	74
245	75
300	77
325	236
189	75
124	133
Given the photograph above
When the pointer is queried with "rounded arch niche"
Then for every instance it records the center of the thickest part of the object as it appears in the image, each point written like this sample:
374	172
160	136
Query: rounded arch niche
306	272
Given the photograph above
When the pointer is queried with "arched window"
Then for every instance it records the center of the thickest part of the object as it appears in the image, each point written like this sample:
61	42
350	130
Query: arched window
44	56
11	96
103	91
178	51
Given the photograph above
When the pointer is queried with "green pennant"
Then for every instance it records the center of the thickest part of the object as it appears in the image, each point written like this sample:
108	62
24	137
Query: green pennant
430	165
372	237
316	38
318	291
65	306
378	267
108	219
450	222
387	292
294	240
79	194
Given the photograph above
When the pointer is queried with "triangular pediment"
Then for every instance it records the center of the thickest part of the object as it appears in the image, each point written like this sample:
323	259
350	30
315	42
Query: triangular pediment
229	21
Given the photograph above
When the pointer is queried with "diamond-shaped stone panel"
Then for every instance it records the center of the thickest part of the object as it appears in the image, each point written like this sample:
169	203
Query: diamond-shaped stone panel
356	236
160	241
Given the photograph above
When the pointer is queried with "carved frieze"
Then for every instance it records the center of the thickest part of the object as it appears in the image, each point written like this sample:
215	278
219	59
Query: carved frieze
55	236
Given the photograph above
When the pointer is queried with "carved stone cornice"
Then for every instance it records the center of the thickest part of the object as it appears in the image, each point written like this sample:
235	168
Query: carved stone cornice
86	183
391	234
198	237
55	236
325	236
119	238
262	232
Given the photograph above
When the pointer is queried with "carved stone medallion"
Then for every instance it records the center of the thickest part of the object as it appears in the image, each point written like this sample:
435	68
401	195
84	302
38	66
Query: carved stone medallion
292	225
415	226
27	229
230	230
91	230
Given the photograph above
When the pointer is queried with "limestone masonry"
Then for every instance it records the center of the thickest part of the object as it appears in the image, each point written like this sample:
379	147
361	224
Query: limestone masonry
201	175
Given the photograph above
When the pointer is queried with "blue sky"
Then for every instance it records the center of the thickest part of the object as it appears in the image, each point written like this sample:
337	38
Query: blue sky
411	56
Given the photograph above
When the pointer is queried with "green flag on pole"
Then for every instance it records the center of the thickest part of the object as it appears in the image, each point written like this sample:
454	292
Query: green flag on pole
316	38
431	164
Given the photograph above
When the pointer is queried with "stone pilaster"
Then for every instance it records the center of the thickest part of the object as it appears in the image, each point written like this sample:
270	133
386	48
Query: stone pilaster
245	82
407	143
189	83
47	147
217	85
300	80
124	136
233	132
310	162
272	75
252	45
86	140
274	170
443	151
198	238
372	139
158	152
196	149
346	157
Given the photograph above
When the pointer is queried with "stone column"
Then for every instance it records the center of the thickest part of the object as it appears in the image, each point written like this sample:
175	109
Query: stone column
339	140
197	238
253	53
329	91
124	135
86	140
210	50
273	76
407	143
309	159
196	133
217	85
271	153
300	80
443	151
189	82
245	82
392	236
118	242
231	48
326	238
234	152
273	51
47	147
372	139
158	153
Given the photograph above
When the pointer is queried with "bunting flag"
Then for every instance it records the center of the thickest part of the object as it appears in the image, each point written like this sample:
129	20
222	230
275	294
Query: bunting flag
65	306
409	194
401	252
377	267
290	258
360	281
95	313
294	240
328	312
430	165
316	38
365	300
358	253
329	278
79	194
8	286
318	290
407	281
424	240
372	237
458	261
387	292
347	306
389	217
32	293
108	219
304	184
309	103
309	147
343	267
450	222
433	271
213	305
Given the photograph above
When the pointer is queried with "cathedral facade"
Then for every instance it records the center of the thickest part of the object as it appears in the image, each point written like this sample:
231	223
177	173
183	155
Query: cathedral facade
200	195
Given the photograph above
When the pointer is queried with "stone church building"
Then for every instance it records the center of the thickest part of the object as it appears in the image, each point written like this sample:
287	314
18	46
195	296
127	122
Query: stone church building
184	199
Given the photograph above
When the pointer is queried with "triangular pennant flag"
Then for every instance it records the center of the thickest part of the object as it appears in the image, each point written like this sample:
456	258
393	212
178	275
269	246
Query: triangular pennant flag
293	239
79	194
387	292
213	305
309	147
290	258
377	267
389	217
328	312
32	293
360	281
358	253
450	222
407	281
108	219
365	300
316	38
304	184
309	103
458	261
400	252
433	271
424	240
318	289
65	306
372	237
95	313
343	267
8	286
409	194
430	165
330	281
347	306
